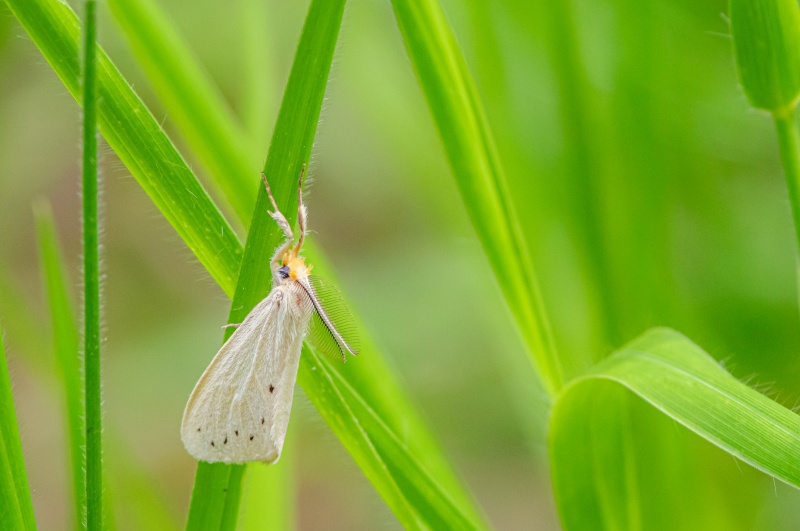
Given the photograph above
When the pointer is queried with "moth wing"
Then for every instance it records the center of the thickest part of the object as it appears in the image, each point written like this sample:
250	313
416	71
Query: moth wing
239	409
332	329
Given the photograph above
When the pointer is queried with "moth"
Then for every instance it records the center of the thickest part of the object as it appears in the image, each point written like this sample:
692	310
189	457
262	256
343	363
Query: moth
239	410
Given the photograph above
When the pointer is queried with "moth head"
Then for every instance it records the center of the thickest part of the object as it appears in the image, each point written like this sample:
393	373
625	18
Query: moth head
294	266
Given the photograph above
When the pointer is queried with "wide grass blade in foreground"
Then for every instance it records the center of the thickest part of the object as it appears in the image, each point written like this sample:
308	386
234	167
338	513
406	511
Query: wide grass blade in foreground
132	131
16	510
593	486
453	100
65	343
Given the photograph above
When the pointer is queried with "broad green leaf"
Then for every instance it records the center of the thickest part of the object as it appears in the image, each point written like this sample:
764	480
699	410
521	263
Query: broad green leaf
766	37
592	439
137	139
65	344
16	510
173	72
457	111
225	251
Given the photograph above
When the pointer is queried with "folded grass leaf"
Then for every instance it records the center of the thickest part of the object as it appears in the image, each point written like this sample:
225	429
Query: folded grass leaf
588	425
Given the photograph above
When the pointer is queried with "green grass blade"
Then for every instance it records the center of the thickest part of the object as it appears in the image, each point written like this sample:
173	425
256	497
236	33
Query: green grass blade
65	341
674	375
173	75
91	278
386	392
16	510
137	139
453	100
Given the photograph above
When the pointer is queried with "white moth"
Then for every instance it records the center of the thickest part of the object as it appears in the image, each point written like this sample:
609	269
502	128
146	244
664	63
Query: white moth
239	409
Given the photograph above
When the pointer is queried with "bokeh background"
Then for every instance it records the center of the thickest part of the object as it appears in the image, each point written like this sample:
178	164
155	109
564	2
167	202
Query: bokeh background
694	232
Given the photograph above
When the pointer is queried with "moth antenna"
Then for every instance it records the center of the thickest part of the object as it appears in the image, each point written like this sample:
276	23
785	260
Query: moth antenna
277	215
302	213
269	192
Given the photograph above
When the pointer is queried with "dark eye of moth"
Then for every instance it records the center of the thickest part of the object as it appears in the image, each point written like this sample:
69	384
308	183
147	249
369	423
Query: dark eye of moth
284	272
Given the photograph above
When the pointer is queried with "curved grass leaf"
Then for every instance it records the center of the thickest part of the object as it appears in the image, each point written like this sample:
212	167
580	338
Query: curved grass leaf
65	341
589	430
16	510
417	447
456	108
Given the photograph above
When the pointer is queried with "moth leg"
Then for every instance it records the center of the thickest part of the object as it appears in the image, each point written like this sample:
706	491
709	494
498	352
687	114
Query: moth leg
231	325
302	213
280	219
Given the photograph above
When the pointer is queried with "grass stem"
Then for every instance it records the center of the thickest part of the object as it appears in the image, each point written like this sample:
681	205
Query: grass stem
91	271
790	158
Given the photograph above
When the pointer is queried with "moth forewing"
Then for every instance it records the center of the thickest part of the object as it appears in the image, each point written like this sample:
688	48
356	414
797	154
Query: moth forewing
239	409
332	329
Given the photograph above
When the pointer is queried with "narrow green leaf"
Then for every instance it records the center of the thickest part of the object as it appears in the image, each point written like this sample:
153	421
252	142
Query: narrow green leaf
16	510
766	37
453	100
593	486
137	139
65	343
91	278
173	75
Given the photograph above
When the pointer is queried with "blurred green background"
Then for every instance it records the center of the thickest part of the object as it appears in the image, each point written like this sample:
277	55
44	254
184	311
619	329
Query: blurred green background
694	232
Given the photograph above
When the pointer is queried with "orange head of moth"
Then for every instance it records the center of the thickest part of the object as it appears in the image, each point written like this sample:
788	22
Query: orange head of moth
296	265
